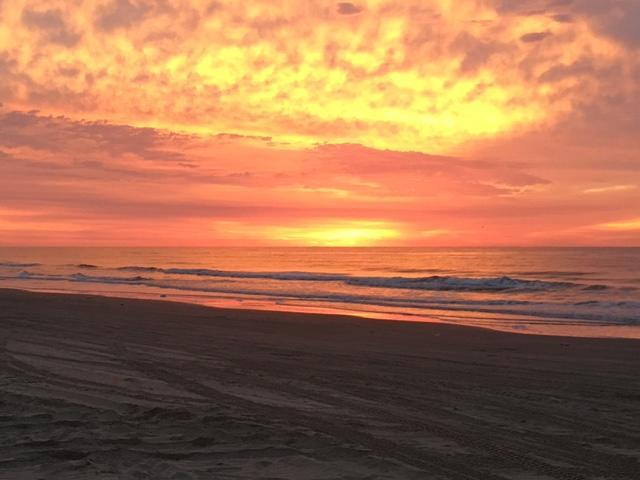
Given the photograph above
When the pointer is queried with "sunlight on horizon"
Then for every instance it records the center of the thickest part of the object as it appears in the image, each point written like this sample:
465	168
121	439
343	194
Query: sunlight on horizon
346	234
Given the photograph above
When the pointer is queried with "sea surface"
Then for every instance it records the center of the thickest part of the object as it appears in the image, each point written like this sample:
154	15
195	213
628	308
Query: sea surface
566	291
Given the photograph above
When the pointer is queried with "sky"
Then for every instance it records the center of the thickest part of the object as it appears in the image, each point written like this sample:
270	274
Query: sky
373	122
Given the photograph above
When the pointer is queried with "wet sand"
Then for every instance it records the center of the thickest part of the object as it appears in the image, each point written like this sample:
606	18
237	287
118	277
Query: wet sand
103	388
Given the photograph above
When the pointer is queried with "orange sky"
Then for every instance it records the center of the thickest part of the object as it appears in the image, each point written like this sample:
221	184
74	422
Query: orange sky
442	122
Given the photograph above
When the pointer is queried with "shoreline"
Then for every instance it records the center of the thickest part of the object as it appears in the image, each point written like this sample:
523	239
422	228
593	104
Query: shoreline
99	387
528	326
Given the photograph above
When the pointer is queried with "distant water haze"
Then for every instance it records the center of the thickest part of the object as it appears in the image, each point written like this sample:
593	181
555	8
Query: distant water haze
569	291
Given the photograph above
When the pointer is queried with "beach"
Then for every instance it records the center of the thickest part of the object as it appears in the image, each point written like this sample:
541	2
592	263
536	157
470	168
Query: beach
111	388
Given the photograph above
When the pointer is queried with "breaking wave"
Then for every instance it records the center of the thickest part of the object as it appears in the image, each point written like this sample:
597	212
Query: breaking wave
607	312
18	265
80	277
467	284
435	282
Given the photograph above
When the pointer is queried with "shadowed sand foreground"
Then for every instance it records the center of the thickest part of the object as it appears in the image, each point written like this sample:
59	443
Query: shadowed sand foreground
103	388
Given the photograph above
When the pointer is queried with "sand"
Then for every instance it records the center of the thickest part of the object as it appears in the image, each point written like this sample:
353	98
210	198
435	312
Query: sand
100	388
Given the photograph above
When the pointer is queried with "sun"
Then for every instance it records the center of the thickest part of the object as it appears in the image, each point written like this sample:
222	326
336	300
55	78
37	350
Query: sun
343	234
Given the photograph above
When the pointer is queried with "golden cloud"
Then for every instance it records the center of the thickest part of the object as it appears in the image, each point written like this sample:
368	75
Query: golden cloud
387	75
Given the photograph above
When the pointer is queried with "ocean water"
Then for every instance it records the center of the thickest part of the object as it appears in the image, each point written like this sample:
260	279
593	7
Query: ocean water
567	291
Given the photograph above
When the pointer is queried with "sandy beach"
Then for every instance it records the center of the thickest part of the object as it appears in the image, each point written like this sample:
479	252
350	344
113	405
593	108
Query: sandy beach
106	388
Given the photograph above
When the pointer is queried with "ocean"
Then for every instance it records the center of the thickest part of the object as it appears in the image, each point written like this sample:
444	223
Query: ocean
563	291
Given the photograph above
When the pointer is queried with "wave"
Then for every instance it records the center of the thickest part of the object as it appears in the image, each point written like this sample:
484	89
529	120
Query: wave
206	272
417	270
139	269
555	273
435	282
87	278
80	277
447	283
18	265
605	312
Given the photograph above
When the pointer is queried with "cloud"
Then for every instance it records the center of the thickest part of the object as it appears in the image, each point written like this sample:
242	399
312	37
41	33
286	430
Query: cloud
120	14
477	52
611	188
404	76
231	137
563	18
8	79
62	169
624	225
64	151
410	114
619	20
347	8
582	67
624	27
534	37
524	7
51	25
60	134
69	71
418	174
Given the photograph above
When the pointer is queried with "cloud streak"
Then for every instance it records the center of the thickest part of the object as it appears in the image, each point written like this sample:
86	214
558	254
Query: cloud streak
108	179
